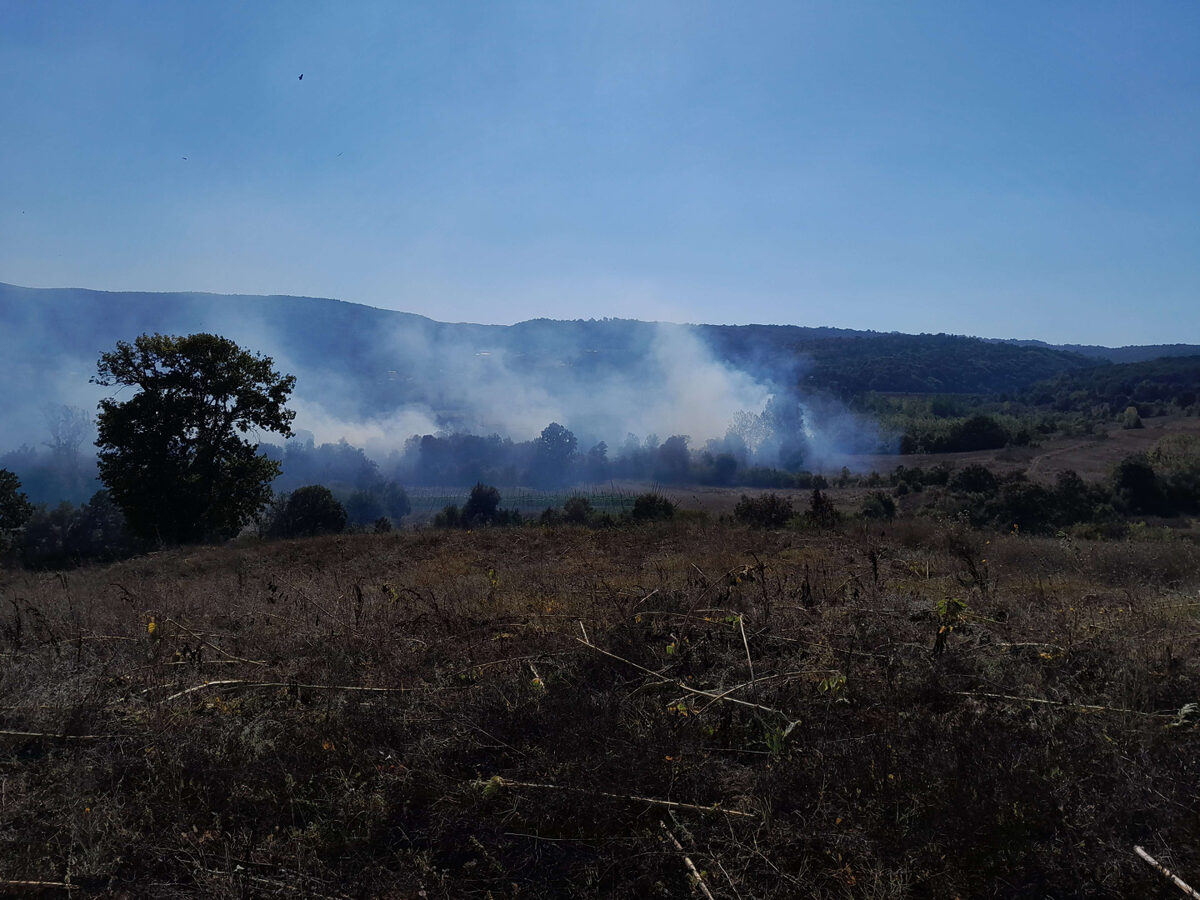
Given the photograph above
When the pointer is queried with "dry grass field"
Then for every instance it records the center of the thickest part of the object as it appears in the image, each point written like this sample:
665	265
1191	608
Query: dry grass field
1092	457
918	711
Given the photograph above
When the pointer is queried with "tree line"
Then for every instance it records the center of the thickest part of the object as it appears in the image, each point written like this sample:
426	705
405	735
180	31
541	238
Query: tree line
178	461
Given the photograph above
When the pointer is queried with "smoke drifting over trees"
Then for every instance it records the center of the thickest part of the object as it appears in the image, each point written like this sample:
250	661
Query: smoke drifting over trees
539	402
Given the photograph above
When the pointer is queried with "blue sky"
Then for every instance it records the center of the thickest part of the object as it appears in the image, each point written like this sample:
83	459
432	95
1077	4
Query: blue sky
1021	170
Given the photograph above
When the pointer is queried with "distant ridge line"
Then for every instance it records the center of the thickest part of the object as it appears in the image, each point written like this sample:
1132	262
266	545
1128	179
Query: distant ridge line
1126	353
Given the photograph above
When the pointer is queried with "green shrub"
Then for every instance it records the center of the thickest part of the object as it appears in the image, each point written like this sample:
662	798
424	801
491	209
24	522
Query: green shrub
764	511
577	510
363	507
309	511
974	479
879	505
821	511
651	506
481	506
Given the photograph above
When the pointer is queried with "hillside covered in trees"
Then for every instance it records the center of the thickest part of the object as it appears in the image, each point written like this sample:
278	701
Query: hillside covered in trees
390	398
355	362
1159	385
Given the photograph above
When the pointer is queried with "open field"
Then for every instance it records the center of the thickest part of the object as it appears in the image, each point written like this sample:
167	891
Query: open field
918	711
1090	457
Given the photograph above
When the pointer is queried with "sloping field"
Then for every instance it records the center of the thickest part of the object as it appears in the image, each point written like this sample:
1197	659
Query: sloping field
633	713
1090	457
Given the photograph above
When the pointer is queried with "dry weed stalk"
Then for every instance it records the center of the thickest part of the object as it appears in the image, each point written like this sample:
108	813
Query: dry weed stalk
241	684
212	646
498	781
50	736
38	886
685	687
1080	706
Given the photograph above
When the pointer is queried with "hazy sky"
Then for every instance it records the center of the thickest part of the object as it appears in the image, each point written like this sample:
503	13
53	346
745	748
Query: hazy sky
1003	169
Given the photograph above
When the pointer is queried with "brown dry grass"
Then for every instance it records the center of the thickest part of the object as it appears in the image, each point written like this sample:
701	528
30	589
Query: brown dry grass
386	715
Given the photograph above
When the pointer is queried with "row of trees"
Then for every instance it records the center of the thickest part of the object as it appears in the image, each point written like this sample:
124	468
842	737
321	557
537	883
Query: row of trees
555	459
179	466
482	508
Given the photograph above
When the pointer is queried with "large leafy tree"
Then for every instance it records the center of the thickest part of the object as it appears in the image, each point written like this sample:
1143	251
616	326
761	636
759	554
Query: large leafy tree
554	452
173	455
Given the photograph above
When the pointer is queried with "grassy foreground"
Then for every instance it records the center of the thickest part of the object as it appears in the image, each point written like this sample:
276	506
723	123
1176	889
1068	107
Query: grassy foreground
914	711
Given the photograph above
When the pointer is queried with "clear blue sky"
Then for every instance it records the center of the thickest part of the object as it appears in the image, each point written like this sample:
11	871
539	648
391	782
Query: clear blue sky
1002	169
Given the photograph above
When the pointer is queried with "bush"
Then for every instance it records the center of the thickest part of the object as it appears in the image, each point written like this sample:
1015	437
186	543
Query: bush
577	510
309	511
974	479
651	506
1024	506
879	505
15	508
1130	418
71	536
395	501
1136	486
449	517
764	511
481	506
363	507
821	511
508	517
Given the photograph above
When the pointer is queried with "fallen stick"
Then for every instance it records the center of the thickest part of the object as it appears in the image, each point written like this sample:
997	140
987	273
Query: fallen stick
749	661
1086	706
669	804
745	684
104	637
53	737
240	683
210	644
498	662
685	687
38	885
1179	882
273	882
697	881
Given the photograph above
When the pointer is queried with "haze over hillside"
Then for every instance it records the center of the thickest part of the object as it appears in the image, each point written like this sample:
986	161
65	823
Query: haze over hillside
378	376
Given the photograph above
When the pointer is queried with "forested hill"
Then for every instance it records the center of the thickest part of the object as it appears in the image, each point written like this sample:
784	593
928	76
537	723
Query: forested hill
1171	381
365	361
850	362
1130	353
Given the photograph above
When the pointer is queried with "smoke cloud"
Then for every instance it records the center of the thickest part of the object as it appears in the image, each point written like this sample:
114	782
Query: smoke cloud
376	378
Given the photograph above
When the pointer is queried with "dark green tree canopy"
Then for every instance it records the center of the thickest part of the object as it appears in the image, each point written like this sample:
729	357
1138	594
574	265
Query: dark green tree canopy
481	505
15	508
173	455
309	511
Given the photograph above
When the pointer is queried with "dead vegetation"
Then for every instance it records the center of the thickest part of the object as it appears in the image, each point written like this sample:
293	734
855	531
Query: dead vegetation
671	711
